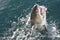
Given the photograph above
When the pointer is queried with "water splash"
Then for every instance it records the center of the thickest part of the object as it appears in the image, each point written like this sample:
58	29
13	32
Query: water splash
23	32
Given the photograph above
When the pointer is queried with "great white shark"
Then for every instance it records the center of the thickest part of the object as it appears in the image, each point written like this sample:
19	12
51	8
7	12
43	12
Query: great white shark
38	17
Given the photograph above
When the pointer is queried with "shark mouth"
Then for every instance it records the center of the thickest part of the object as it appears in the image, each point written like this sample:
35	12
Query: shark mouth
43	10
40	9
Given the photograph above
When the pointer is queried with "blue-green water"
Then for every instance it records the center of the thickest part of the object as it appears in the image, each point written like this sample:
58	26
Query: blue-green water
10	10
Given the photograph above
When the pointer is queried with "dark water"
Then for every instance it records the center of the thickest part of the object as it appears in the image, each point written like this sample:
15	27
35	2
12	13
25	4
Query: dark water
10	10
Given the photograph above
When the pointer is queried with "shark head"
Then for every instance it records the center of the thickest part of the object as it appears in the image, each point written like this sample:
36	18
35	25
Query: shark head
39	10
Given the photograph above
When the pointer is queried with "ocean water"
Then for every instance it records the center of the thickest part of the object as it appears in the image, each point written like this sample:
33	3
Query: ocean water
14	15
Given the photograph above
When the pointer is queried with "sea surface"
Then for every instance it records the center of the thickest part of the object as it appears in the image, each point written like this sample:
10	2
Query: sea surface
15	13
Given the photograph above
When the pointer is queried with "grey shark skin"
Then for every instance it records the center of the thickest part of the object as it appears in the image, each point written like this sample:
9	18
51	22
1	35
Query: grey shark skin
38	17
